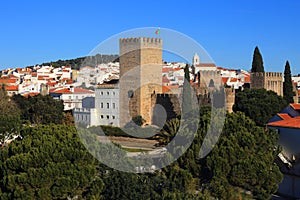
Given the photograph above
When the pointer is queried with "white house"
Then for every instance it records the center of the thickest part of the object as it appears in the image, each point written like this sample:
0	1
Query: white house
72	97
106	110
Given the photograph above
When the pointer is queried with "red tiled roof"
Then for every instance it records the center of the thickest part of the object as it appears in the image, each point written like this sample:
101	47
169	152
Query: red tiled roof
8	81
31	94
284	115
12	88
247	79
233	80
166	70
165	80
295	106
82	91
177	69
53	83
206	65
298	92
225	79
60	91
165	89
287	123
13	76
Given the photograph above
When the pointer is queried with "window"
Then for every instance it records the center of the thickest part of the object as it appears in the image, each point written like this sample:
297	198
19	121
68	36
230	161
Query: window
107	105
107	116
101	93
101	104
107	93
130	94
113	117
76	97
114	105
101	116
114	93
70	97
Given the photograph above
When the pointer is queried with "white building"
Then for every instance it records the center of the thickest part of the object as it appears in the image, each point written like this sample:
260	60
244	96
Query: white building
72	97
106	111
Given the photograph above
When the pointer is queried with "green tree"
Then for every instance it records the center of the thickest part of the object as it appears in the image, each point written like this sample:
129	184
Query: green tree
244	157
257	63
138	120
187	92
10	123
40	109
288	84
50	162
259	104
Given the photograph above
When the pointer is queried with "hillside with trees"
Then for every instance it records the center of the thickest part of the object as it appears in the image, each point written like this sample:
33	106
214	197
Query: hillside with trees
76	63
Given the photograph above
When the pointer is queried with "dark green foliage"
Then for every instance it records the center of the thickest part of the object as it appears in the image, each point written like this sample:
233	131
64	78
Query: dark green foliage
258	104
187	92
257	63
50	162
288	84
244	157
138	120
10	123
40	109
84	61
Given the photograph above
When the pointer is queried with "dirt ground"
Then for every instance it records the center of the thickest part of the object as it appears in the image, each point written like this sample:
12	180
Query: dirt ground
131	142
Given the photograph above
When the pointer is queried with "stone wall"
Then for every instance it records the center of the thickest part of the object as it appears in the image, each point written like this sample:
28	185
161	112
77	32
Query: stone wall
140	73
269	80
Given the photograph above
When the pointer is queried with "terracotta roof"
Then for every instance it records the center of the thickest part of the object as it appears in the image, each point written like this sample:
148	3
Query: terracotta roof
225	79
12	88
247	79
8	81
165	80
165	89
295	106
233	80
60	91
298	92
284	115
206	65
31	94
287	123
83	91
53	83
13	76
166	70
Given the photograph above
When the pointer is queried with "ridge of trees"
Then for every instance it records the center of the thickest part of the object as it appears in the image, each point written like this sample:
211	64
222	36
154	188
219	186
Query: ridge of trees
76	63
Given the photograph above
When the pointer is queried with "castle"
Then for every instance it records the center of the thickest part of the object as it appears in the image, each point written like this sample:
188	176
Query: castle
141	82
140	76
268	80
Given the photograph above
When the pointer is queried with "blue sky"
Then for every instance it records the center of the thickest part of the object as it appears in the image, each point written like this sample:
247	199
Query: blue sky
39	31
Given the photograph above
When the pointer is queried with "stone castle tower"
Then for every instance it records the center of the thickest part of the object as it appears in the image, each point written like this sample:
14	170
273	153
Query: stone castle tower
140	76
268	80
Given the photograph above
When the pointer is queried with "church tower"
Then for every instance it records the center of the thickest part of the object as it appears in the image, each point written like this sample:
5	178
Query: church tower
196	59
140	75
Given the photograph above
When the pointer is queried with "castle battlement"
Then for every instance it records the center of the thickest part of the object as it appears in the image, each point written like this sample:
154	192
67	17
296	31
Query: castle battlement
141	40
165	95
273	74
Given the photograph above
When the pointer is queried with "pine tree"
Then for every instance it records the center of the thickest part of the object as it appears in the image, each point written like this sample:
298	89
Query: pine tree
288	84
257	63
187	101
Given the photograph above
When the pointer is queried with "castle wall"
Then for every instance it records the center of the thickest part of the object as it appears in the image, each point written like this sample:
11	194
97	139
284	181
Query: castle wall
269	80
140	71
171	105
